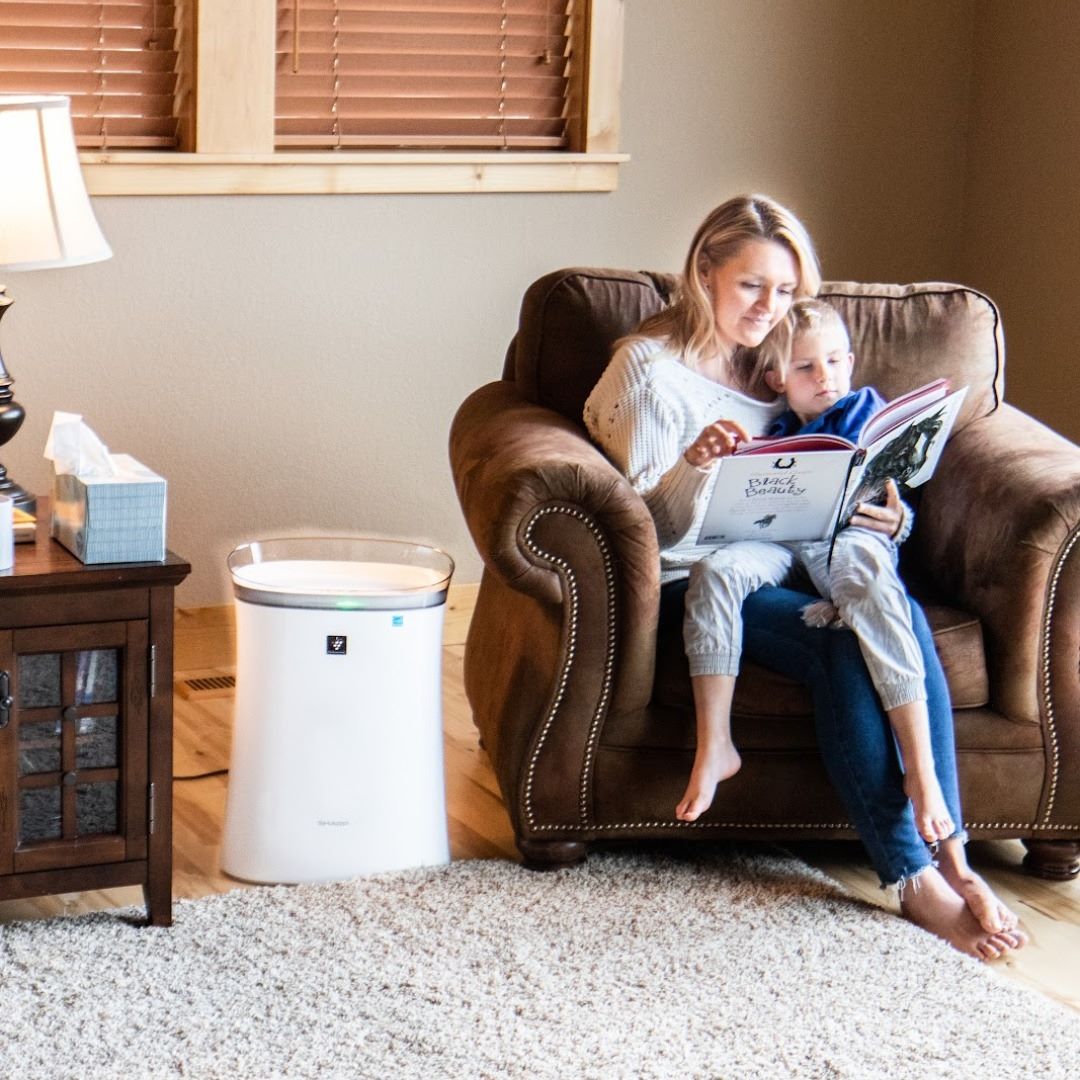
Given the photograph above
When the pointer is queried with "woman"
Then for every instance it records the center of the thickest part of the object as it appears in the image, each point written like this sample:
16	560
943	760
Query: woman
677	395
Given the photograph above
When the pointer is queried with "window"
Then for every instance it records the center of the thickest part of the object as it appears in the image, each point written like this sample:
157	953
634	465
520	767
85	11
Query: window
476	74
371	95
117	62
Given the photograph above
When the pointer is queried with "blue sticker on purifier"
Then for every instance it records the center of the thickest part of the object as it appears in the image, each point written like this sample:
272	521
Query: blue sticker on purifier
399	620
337	644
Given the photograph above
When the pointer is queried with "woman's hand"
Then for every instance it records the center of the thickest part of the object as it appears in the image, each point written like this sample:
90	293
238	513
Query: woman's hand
887	518
717	440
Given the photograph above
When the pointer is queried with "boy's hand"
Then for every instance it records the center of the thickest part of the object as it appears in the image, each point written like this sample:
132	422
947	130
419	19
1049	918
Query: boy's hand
887	518
718	440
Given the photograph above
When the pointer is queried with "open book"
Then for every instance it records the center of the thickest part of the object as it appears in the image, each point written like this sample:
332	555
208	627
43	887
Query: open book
805	487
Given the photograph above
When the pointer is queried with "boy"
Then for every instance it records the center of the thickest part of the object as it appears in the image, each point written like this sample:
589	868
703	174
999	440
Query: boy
861	581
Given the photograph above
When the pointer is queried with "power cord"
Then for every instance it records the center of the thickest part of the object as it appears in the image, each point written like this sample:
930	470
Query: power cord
203	775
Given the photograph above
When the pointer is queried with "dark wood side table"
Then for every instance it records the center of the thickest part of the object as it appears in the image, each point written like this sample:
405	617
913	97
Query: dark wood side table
86	724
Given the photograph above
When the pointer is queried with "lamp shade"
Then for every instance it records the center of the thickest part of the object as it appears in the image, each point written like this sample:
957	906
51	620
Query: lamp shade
45	215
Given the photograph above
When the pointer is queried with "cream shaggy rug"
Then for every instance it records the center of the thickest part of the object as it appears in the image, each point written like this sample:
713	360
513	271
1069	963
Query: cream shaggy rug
706	962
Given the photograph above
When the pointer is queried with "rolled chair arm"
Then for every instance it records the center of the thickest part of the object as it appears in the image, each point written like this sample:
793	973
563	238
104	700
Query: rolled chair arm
565	625
513	460
999	530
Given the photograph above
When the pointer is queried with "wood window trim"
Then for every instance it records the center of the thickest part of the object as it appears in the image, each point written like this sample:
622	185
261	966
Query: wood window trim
232	111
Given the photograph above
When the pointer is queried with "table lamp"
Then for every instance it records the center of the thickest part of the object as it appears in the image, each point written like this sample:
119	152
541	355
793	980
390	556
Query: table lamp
45	219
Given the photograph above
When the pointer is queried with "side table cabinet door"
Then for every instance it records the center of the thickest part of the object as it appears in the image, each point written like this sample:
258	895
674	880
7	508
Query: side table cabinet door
7	755
73	755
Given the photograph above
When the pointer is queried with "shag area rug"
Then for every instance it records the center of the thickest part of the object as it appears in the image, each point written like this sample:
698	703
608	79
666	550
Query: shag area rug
703	963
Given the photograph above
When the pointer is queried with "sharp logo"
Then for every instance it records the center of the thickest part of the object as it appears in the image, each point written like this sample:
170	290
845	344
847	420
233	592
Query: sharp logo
336	644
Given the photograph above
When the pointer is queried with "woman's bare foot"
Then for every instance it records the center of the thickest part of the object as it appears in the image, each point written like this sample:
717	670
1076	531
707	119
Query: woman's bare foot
932	817
717	762
992	915
989	911
930	902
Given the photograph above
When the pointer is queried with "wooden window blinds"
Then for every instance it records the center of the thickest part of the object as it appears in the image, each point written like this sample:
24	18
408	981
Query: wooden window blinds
452	74
117	62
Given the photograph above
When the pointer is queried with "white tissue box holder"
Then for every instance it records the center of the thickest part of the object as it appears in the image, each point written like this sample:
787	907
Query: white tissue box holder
111	519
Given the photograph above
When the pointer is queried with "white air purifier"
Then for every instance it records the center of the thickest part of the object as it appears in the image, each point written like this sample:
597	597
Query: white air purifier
337	754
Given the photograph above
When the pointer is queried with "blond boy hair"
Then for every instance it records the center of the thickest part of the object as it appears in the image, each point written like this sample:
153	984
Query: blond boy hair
806	316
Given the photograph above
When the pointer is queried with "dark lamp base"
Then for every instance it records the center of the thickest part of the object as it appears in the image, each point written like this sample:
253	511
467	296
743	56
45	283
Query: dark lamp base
24	500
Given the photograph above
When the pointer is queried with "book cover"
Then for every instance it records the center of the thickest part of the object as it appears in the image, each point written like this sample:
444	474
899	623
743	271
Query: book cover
25	526
802	487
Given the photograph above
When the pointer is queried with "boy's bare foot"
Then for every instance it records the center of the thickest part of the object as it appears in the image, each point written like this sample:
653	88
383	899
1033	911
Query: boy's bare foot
930	902
719	762
932	817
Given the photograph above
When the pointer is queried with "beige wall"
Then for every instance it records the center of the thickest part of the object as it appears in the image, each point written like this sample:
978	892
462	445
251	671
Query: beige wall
1022	206
293	363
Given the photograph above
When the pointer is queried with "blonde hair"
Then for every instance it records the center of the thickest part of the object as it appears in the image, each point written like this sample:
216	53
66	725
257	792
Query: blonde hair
688	324
807	316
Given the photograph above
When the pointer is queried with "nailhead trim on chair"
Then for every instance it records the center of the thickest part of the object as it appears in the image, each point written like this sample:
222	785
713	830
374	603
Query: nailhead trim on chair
1048	701
594	728
564	676
783	825
1020	825
701	825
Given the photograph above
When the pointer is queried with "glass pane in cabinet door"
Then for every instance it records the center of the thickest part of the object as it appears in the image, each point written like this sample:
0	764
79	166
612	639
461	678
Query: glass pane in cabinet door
39	814
95	676
95	808
96	742
39	747
39	680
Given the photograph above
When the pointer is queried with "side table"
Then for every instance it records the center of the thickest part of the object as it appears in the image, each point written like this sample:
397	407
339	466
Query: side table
86	724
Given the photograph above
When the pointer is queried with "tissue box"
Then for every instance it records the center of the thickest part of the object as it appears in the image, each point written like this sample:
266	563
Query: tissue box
108	519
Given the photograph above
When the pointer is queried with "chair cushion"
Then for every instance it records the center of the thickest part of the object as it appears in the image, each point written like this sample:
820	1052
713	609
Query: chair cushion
774	713
763	693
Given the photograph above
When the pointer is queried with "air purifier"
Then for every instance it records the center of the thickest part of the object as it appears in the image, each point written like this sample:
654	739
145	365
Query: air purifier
336	766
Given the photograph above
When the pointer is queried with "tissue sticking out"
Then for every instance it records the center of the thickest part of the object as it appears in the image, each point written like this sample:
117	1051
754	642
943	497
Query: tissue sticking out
106	508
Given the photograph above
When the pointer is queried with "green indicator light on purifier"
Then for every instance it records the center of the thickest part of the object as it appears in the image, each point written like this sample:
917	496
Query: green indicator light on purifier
348	605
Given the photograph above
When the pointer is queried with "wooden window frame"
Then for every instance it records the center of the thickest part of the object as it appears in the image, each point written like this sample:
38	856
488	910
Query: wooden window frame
227	126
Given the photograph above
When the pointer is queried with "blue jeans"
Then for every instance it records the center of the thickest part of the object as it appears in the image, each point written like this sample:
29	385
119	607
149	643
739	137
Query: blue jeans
853	732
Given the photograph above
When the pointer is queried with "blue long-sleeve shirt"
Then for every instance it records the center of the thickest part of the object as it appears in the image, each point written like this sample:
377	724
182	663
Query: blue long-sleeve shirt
847	417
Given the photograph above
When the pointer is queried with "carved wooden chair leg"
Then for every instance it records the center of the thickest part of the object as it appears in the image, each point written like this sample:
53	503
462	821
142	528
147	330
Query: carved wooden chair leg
551	854
1057	860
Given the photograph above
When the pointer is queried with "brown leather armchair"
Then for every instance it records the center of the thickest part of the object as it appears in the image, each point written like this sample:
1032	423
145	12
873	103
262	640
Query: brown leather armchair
585	708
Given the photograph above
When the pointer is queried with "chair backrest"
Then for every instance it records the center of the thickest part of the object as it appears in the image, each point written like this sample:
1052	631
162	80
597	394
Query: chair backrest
902	335
906	335
569	321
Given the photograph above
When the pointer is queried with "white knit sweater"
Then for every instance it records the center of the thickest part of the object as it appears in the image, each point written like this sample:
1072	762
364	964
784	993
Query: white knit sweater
647	408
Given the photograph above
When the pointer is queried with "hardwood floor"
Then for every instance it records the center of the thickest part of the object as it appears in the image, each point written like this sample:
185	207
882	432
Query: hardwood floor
479	826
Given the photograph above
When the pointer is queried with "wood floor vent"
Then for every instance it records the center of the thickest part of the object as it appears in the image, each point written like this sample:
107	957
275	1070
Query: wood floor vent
208	686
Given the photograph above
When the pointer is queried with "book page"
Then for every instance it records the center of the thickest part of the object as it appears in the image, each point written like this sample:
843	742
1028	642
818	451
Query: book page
777	497
794	444
901	409
907	453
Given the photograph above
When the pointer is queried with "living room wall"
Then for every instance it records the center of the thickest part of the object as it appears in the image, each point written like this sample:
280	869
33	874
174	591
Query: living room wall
292	364
1022	203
